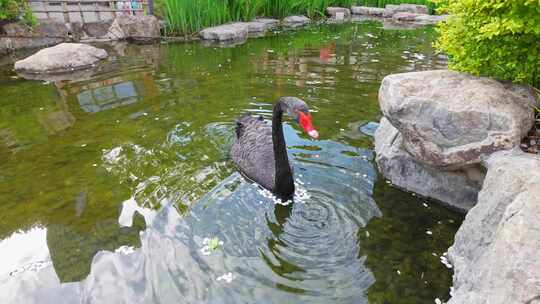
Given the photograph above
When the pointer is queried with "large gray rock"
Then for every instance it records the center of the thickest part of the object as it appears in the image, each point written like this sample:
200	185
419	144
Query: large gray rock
98	29
61	58
451	120
495	252
430	19
367	10
140	28
405	16
338	12
227	32
262	25
259	27
459	189
295	21
392	9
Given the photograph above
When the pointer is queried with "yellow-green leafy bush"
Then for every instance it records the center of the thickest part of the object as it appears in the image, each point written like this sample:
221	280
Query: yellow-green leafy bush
497	38
15	10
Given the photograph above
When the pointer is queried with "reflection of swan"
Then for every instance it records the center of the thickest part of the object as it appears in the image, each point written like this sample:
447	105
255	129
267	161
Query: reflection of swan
260	152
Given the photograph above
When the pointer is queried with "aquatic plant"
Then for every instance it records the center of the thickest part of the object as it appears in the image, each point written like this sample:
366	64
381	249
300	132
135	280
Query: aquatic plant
310	8
188	16
382	3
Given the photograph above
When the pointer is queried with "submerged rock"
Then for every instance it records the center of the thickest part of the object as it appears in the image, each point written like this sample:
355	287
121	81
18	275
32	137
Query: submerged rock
236	31
295	21
451	120
366	10
62	58
495	252
459	189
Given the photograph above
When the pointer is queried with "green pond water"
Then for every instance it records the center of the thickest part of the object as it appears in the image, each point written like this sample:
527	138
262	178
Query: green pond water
111	185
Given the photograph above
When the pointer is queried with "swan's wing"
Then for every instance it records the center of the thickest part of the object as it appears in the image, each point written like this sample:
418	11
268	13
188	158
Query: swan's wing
253	151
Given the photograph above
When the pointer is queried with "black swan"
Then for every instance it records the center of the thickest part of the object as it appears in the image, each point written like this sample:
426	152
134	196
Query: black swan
259	151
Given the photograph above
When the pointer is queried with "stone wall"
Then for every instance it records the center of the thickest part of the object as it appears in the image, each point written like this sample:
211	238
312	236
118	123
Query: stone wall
16	36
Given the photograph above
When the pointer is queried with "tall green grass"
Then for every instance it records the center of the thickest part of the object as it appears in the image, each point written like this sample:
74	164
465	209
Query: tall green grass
310	8
383	3
188	16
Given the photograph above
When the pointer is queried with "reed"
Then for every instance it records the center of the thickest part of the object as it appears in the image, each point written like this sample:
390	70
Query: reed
189	16
383	3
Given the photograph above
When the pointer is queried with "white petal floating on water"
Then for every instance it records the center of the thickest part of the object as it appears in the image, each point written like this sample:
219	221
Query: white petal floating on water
429	232
210	245
228	277
205	250
445	261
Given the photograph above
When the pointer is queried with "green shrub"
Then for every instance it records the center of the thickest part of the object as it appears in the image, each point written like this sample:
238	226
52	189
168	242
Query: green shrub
494	38
15	10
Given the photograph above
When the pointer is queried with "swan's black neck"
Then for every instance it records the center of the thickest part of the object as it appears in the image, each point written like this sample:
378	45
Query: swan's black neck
284	179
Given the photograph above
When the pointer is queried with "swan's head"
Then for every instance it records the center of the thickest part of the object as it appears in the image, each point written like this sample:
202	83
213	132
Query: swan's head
299	111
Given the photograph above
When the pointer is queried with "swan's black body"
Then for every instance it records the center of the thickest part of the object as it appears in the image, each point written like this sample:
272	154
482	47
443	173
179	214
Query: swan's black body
259	151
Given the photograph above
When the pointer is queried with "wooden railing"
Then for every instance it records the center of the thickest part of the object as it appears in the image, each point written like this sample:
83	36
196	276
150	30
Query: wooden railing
88	10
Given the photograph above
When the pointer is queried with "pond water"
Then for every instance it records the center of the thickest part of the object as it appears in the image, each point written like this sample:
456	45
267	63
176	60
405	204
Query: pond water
117	188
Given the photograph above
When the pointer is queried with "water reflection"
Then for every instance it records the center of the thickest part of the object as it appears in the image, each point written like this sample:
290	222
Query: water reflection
115	180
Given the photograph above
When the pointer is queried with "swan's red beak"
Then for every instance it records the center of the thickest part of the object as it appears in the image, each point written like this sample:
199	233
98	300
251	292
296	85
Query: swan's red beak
307	124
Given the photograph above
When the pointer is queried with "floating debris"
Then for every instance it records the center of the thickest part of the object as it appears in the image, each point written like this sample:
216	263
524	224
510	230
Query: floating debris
210	245
445	261
34	266
438	301
429	232
125	250
228	277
